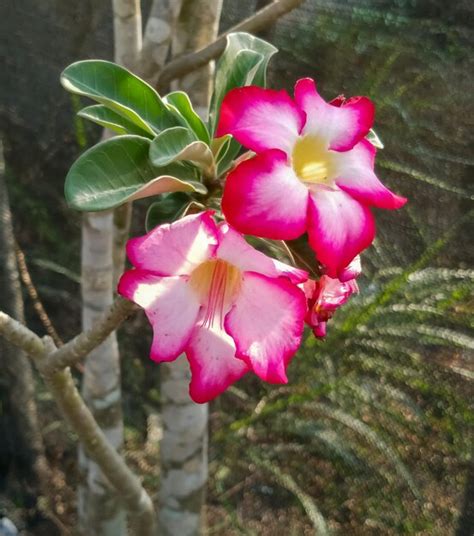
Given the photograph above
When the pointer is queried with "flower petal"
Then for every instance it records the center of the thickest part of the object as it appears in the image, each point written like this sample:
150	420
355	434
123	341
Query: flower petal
211	355
339	228
354	173
342	126
235	249
351	271
266	324
263	197
175	248
170	305
260	118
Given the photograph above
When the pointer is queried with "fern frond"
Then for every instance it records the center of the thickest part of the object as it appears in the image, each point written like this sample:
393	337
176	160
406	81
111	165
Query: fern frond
371	437
287	481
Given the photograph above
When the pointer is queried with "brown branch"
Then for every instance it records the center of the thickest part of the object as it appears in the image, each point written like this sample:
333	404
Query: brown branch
79	347
37	304
190	62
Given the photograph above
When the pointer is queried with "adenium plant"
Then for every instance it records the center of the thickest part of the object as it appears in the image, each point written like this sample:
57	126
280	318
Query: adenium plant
263	164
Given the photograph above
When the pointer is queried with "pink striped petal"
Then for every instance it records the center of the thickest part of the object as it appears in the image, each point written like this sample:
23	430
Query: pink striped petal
266	324
214	367
260	118
263	197
170	305
354	174
342	126
175	248
235	249
339	228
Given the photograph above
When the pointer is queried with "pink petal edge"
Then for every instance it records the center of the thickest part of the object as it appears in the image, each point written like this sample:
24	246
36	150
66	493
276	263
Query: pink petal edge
342	126
339	228
266	323
354	174
214	367
263	197
260	118
170	306
234	249
175	248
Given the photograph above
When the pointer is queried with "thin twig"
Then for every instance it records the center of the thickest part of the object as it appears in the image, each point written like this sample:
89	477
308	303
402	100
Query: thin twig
190	62
79	347
37	304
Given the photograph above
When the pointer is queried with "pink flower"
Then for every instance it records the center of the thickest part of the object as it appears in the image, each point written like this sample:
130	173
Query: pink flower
208	293
313	171
324	297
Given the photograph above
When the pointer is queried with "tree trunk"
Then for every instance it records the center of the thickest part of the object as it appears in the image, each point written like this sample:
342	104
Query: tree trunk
21	444
184	444
100	511
127	52
103	257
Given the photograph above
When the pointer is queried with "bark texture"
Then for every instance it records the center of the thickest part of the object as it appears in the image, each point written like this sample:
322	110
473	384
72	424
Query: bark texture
127	52
157	39
103	257
100	509
127	32
184	456
21	444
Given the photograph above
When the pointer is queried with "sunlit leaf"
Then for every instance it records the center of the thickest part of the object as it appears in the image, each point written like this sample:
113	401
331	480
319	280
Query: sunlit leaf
243	62
120	90
178	102
107	118
179	144
118	170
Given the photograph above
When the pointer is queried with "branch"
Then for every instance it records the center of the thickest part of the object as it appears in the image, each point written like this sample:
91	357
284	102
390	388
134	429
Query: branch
61	385
81	420
190	62
19	335
79	347
37	304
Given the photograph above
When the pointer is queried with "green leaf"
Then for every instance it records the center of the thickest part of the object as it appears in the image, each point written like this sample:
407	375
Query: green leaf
179	144
243	62
220	146
167	209
118	170
120	90
178	102
228	158
100	114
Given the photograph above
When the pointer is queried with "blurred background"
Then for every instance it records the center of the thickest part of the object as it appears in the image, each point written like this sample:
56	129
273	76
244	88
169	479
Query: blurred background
373	434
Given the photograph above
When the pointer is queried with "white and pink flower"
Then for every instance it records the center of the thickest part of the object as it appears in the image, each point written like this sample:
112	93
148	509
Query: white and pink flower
313	171
208	293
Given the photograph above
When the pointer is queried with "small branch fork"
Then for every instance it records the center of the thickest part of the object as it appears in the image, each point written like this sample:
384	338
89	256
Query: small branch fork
52	365
190	62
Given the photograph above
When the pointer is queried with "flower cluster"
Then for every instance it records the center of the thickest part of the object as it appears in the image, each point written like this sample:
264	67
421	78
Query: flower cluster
230	308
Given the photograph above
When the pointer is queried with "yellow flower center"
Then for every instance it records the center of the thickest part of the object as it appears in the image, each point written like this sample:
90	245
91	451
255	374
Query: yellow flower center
217	284
311	160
